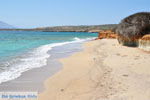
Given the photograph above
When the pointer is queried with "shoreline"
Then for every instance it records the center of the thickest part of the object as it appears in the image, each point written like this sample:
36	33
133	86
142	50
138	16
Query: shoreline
62	81
32	80
104	70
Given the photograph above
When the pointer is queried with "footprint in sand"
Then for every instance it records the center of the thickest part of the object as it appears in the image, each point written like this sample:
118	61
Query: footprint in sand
124	56
118	54
136	58
125	75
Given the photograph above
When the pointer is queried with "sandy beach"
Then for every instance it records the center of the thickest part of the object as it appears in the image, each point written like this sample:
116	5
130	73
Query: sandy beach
104	70
32	80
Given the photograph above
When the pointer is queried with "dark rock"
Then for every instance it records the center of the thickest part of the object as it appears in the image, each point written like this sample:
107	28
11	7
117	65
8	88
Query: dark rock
132	28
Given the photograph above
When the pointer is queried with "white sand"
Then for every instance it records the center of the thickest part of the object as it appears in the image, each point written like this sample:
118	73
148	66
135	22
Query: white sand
105	70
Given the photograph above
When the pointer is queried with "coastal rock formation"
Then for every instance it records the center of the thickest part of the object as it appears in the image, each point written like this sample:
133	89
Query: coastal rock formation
109	34
144	42
132	28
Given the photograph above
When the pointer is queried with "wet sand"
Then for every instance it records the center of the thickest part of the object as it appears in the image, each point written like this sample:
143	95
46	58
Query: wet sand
104	70
32	80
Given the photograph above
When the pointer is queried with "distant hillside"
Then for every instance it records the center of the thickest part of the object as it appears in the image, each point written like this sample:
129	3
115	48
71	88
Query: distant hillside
81	28
5	26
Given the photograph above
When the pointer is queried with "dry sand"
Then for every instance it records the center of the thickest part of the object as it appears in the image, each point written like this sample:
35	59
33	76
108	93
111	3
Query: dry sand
105	70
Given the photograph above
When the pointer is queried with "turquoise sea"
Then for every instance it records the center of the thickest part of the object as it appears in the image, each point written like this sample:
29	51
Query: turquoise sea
23	50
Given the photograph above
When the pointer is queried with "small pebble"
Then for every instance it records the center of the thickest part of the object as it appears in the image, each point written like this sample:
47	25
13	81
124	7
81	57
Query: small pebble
94	58
62	90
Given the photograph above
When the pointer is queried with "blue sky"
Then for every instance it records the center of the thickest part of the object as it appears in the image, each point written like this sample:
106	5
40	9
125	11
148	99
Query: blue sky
41	13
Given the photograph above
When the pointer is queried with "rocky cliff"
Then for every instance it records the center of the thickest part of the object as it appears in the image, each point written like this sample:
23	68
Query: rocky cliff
108	34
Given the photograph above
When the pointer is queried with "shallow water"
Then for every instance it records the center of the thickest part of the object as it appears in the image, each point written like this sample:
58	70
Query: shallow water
23	50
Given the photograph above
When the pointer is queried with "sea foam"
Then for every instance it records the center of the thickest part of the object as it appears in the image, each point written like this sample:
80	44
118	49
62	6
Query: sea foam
36	58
